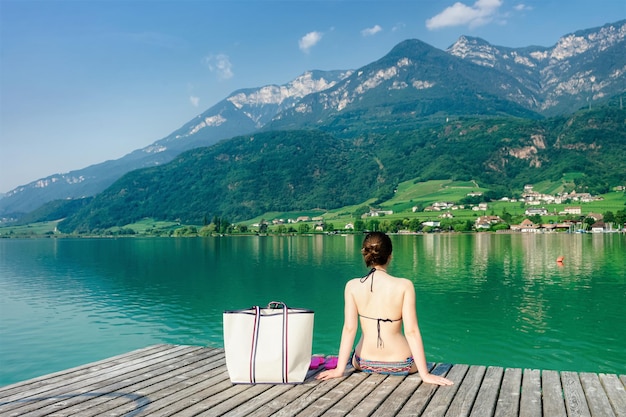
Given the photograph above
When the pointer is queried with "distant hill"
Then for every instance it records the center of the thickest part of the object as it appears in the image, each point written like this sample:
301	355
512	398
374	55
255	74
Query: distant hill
247	176
413	86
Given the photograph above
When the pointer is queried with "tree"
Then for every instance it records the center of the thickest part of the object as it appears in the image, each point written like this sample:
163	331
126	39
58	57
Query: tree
506	216
359	225
620	217
589	221
373	225
415	225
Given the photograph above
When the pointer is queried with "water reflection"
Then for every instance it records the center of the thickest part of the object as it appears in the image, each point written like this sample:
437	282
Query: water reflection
482	299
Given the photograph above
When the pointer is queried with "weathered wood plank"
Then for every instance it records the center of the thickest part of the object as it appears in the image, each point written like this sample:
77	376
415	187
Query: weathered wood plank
374	401
330	398
421	397
553	403
595	395
185	381
292	394
100	397
349	403
530	403
164	387
201	397
394	402
38	384
440	401
463	401
615	391
485	404
246	408
56	393
509	397
575	401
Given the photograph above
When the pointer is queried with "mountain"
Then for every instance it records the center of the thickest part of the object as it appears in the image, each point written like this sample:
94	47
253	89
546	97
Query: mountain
242	112
289	170
584	67
413	85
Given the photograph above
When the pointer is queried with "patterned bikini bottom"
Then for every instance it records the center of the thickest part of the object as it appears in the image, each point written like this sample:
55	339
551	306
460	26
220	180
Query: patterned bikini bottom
401	368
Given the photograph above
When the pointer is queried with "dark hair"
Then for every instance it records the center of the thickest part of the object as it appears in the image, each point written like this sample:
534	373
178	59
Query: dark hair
376	249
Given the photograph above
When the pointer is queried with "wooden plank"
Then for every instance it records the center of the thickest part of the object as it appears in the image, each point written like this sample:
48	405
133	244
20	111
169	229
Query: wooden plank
530	403
291	395
234	401
485	404
246	408
58	388
267	397
320	389
374	401
615	391
575	401
160	390
463	401
394	402
169	380
330	398
440	402
509	396
349	403
421	397
118	392
597	400
35	385
553	403
199	398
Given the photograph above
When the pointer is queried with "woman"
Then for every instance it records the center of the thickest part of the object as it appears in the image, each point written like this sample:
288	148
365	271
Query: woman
384	304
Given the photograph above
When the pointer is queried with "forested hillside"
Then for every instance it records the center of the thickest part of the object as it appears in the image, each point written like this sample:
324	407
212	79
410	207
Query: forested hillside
247	176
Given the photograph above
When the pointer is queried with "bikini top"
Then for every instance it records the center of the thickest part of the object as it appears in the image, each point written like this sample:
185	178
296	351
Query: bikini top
379	340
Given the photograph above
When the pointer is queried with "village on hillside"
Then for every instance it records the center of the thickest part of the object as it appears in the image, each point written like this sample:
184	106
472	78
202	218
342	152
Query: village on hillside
534	200
576	220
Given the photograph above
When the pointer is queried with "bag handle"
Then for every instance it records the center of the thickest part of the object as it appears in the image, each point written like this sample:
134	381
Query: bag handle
276	304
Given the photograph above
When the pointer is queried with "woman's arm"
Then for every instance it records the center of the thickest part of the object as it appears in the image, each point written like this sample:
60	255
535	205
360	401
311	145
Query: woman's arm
350	326
414	337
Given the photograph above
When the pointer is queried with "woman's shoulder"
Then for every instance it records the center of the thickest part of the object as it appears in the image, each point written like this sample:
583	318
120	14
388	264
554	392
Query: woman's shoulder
404	282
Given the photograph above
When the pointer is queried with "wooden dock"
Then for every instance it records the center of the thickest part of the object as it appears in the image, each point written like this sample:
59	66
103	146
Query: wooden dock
171	380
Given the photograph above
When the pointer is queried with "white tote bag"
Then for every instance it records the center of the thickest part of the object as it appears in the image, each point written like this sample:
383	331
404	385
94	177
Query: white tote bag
268	345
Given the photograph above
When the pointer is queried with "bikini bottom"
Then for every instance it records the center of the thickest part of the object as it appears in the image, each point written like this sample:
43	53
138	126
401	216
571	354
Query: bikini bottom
401	368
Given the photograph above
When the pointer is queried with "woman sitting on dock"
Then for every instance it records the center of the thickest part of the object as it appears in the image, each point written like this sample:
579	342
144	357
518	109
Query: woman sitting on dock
384	304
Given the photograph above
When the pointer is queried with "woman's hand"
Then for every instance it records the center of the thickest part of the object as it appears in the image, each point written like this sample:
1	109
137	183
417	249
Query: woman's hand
329	374
436	379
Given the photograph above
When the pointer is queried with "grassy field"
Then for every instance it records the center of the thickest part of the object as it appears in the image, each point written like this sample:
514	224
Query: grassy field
407	195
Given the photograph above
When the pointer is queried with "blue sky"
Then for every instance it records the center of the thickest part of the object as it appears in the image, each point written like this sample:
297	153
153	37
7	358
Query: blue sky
84	81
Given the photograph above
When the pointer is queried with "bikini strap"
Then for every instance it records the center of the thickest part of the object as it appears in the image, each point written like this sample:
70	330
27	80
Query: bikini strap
365	277
379	340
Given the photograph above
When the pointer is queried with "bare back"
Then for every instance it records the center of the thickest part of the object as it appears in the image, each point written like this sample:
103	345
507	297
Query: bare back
380	305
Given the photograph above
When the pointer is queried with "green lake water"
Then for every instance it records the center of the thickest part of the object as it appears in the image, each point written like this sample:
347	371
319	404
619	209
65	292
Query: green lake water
481	298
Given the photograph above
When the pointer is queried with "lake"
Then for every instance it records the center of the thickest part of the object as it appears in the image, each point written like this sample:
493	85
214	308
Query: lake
490	299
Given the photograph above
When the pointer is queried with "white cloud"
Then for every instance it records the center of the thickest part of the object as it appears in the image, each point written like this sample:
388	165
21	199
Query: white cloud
371	31
398	26
460	14
195	101
309	40
220	65
521	7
